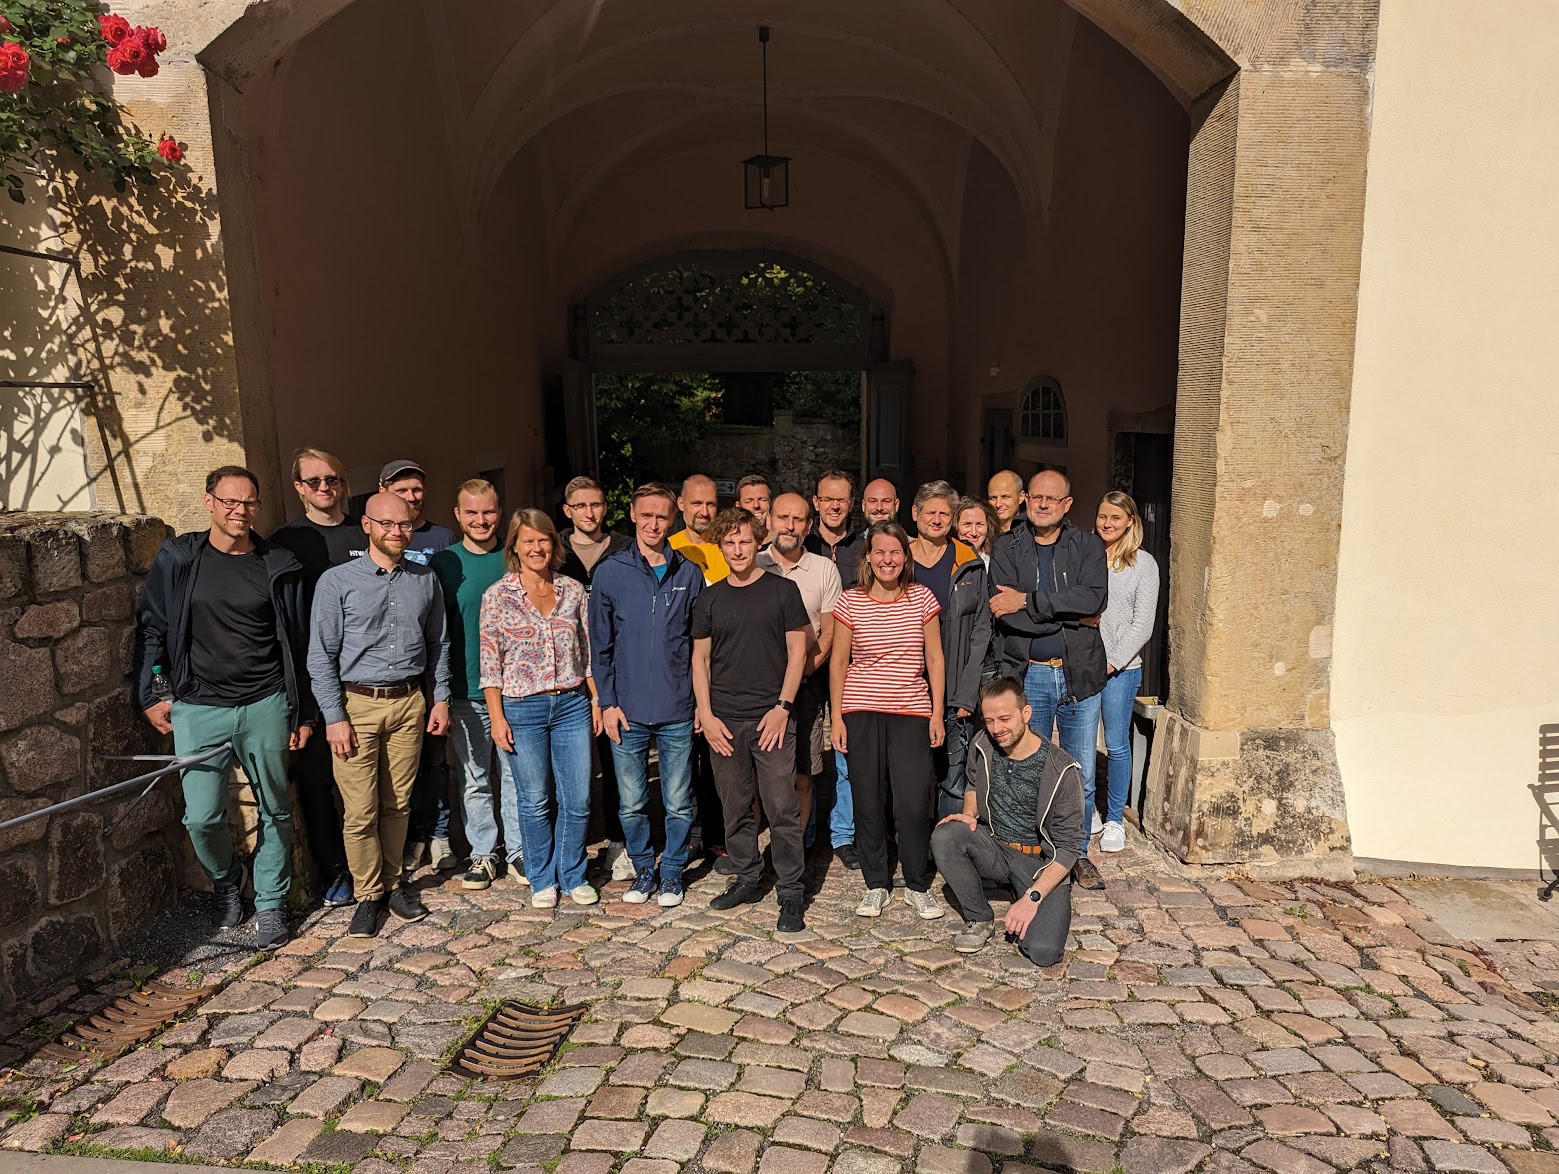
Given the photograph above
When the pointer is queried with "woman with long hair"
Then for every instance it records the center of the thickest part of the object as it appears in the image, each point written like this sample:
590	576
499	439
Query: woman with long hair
1126	624
886	681
977	527
535	647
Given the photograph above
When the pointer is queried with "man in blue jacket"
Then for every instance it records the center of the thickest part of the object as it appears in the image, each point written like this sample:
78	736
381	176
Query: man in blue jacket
223	624
641	659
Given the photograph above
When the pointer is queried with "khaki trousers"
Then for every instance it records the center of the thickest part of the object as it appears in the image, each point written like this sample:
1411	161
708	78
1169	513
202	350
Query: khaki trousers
375	785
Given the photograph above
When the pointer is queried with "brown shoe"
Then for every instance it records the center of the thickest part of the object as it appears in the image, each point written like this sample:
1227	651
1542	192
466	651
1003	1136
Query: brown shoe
1086	876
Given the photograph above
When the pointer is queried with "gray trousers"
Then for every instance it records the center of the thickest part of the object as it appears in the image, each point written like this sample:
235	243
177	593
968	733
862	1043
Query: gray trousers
967	858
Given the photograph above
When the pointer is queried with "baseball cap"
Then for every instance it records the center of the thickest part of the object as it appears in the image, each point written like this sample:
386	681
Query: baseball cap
399	469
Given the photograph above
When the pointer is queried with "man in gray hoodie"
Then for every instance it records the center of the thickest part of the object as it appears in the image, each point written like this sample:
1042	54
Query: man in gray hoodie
1021	822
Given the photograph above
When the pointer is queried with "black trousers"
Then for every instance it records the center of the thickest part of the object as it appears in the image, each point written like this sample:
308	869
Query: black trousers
711	820
889	755
967	857
769	776
316	783
611	823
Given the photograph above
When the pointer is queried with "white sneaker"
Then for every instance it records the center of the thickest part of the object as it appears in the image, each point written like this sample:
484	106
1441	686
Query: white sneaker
875	901
544	899
924	904
621	863
1097	826
584	895
441	856
1114	837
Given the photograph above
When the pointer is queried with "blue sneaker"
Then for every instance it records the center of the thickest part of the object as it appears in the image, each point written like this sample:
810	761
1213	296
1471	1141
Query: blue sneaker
339	891
643	885
670	894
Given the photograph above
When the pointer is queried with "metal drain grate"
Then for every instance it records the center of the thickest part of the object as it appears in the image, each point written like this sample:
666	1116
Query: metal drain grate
516	1040
127	1021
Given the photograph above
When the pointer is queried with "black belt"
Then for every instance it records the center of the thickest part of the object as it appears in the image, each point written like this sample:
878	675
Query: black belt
385	692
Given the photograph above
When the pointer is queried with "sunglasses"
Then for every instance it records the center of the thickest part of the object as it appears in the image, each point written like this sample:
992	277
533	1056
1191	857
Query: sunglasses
315	482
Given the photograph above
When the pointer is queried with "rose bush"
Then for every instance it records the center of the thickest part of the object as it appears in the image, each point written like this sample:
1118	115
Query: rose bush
52	98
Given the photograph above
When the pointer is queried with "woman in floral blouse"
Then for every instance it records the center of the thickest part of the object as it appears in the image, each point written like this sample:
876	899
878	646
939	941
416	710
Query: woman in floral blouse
535	675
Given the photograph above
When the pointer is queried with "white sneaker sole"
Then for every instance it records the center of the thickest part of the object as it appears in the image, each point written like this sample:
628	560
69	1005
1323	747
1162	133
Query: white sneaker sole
592	898
546	899
632	897
669	900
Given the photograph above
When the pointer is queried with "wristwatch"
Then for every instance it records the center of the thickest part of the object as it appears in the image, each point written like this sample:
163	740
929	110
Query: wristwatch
783	704
1036	896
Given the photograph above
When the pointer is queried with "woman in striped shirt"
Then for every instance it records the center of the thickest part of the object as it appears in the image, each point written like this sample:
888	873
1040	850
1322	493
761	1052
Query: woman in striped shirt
886	681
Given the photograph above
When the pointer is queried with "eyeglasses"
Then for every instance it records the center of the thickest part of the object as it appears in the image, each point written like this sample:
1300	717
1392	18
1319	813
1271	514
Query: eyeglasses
316	482
1041	500
236	505
834	500
403	527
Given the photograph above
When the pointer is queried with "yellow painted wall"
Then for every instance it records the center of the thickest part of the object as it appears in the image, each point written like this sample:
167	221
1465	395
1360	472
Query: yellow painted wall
1446	653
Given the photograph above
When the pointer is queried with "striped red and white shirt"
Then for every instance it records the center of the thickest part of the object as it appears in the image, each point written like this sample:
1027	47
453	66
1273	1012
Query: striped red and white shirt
887	672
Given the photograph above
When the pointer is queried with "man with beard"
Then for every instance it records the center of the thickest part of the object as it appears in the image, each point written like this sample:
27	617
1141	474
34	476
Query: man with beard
880	501
818	581
377	641
1021	821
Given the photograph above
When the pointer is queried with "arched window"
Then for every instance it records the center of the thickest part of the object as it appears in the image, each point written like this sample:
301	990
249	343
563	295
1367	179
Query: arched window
1043	414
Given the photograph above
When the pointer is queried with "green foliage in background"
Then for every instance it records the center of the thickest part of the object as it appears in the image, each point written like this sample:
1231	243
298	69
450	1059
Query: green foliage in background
637	415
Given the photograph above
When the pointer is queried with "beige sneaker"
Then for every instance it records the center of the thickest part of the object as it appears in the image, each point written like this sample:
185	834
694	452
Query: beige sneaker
544	899
584	895
872	905
924	904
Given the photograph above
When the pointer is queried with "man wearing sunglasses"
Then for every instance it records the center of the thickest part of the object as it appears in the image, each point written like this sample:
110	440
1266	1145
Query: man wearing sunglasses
379	662
324	536
223	625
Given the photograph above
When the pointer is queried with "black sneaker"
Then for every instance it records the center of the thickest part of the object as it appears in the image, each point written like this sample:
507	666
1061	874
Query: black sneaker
270	927
737	894
406	905
724	865
790	918
365	919
848	856
227	902
481	874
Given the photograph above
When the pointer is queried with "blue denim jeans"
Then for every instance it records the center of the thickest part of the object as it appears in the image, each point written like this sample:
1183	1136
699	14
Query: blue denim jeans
1120	691
841	818
1076	721
550	766
631	757
471	736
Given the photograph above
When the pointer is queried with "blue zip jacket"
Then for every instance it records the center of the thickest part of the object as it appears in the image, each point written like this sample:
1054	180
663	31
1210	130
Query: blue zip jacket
641	642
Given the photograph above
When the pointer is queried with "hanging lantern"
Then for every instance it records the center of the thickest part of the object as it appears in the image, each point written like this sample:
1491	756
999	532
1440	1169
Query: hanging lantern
766	177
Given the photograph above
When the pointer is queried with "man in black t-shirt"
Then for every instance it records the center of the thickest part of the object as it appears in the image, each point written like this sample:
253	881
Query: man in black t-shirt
749	652
324	536
221	637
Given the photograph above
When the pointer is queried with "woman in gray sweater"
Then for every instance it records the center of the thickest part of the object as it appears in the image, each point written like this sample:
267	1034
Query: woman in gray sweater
1125	626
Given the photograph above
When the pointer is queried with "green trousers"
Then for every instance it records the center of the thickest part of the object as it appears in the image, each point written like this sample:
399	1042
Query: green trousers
258	732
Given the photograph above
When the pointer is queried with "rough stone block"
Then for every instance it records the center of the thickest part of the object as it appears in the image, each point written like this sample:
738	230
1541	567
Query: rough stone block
55	555
137	826
40	757
19	885
102	548
27	833
113	602
75	856
83	659
14	579
48	621
143	539
28	674
115	726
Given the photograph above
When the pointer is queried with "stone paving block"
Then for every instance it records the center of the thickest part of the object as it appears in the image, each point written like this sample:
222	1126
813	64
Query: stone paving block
1158	1155
323	1097
289	1033
1511	1103
36	1134
742	1108
191	1103
339	1148
132	1104
259	1064
618	1137
929	1115
1062	1151
892	1141
572	1082
678	1140
735	1152
1491	1131
780	1159
230	1133
373	1117
406	1084
673	1102
867	1023
618	1101
936	1159
1450	1158
318	1055
1358	1122
284	1145
714	1020
559	1116
136	1137
1292	1120
1209	1104
1282	1159
649	1166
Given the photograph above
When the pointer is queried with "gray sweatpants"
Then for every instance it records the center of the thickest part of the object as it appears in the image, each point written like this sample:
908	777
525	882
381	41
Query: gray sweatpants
966	858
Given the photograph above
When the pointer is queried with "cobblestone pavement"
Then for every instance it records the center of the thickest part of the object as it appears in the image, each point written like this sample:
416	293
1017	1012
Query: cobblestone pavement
1203	1024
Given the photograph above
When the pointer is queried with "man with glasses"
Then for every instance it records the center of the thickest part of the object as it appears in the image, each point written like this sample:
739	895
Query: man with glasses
222	621
428	831
378	642
1051	580
323	536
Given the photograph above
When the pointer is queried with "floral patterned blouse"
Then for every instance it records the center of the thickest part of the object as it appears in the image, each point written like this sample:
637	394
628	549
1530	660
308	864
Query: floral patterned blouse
524	652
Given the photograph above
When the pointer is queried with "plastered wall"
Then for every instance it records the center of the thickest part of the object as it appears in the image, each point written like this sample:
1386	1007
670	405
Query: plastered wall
1446	651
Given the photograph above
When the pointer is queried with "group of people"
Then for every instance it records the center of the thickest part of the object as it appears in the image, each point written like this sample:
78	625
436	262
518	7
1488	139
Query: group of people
744	648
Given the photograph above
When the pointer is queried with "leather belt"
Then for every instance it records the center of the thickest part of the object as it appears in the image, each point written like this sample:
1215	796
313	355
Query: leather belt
579	688
1053	663
385	692
1026	849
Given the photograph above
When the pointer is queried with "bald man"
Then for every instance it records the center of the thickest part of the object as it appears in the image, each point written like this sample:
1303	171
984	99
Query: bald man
880	501
378	646
1005	494
699	503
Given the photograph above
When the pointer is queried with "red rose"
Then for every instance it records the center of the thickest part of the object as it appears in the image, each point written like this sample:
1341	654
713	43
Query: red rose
62	40
128	56
152	38
14	63
169	149
5	25
114	28
147	68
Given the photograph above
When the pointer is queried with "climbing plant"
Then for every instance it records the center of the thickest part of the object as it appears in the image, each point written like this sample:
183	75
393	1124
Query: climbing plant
53	99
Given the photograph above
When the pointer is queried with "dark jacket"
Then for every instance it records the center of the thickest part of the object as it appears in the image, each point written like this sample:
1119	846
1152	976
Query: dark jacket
1058	812
1080	583
846	556
162	628
641	635
966	629
575	569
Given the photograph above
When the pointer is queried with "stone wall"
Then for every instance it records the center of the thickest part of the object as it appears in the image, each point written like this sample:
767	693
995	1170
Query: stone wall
68	589
791	454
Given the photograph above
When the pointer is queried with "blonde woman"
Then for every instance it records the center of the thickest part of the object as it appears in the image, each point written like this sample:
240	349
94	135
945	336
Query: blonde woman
535	652
1126	624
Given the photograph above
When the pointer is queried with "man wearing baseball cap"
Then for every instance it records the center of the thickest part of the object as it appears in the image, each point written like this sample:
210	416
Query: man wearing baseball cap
428	829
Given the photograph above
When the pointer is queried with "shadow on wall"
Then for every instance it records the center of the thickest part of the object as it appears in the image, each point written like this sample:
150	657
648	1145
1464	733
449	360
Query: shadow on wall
1546	792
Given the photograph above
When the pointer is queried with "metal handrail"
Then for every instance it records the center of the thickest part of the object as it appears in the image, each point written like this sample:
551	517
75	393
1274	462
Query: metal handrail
171	764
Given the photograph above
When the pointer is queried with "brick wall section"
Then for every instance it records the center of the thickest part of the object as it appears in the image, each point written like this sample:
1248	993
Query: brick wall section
68	589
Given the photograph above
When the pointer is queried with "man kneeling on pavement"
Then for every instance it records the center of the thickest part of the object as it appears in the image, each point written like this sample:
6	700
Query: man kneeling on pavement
1021	823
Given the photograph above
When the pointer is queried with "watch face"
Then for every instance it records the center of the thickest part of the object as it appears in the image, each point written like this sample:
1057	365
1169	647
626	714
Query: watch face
1034	896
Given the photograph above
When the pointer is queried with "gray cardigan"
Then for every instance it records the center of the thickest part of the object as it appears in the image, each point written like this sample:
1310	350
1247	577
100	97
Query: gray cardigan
1129	611
1058	811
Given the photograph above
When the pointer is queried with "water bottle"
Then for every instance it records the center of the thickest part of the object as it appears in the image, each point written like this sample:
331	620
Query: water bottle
161	690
